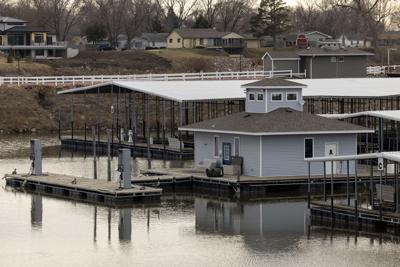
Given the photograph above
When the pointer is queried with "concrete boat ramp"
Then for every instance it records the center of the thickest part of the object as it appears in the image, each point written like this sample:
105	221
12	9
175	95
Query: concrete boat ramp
91	190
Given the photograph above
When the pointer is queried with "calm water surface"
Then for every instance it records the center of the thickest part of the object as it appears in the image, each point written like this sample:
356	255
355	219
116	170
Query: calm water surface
181	230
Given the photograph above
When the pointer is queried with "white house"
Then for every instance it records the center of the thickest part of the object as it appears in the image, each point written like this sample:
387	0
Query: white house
354	41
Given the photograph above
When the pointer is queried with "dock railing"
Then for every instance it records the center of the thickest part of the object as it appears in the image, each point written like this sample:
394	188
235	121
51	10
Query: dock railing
93	79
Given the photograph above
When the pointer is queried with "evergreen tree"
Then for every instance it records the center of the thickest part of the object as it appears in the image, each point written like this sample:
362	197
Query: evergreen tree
272	19
201	22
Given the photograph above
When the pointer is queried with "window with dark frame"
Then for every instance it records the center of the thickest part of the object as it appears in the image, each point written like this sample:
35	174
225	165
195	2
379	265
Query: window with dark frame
252	97
179	40
291	96
276	96
170	40
260	97
308	148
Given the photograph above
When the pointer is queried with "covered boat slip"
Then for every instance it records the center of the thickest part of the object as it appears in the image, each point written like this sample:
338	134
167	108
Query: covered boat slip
364	202
153	110
386	125
145	115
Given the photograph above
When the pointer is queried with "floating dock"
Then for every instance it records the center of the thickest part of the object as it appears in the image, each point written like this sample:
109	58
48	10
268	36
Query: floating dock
90	190
157	151
246	185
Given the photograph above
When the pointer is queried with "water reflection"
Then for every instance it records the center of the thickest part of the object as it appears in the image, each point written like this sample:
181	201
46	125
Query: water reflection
36	211
125	224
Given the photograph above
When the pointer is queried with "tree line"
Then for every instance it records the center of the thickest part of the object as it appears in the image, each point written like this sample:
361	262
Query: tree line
100	19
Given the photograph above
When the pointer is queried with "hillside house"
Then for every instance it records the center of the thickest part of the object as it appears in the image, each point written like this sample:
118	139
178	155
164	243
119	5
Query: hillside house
354	40
20	39
150	41
274	136
210	38
319	62
305	39
391	38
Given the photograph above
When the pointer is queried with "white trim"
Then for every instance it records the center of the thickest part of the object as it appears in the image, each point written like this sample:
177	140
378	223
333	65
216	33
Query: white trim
216	136
311	68
246	86
274	133
304	147
272	93
286	58
234	145
333	54
261	149
297	96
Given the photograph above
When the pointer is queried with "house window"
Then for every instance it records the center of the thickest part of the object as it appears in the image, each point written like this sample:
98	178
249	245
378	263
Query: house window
170	40
237	146
179	40
308	147
260	97
333	59
201	41
291	97
341	59
276	97
216	146
252	97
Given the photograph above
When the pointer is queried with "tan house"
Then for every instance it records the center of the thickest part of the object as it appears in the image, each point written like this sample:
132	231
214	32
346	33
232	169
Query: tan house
210	38
195	38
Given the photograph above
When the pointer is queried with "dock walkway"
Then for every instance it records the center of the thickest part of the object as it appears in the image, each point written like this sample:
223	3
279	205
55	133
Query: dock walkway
100	191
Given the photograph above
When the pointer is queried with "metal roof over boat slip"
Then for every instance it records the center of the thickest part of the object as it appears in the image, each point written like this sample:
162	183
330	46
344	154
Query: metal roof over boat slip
182	91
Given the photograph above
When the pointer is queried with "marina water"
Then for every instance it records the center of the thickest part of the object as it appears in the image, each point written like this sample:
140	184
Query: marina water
184	229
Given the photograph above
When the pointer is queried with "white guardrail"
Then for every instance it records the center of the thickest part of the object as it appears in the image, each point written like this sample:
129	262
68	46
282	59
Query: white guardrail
92	79
378	70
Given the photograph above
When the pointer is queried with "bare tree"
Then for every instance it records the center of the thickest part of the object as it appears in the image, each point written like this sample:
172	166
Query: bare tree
181	9
231	12
135	17
375	13
112	13
209	11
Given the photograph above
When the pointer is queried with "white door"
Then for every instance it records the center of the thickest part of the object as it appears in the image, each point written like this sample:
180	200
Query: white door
331	150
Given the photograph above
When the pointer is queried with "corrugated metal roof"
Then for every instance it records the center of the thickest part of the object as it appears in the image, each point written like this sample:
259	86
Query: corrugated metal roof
231	89
393	115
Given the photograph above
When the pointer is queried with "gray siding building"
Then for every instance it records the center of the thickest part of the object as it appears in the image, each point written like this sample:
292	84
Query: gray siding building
320	62
274	135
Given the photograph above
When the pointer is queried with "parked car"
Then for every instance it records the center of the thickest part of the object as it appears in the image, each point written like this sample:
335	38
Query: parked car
104	47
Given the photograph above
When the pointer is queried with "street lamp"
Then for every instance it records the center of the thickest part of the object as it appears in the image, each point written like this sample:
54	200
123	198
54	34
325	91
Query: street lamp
388	55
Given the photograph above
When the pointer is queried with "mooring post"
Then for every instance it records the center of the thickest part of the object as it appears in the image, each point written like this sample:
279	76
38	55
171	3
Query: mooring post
331	177
147	116
108	155
396	186
163	128
72	117
371	184
59	125
324	180
356	189
348	183
94	153
309	185
36	157
125	167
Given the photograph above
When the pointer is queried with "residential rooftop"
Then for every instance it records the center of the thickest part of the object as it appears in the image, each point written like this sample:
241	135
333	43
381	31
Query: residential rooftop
273	82
314	51
282	121
199	33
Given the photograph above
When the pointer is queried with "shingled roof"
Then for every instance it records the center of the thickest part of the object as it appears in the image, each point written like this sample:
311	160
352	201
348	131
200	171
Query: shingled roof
282	121
199	33
313	51
273	82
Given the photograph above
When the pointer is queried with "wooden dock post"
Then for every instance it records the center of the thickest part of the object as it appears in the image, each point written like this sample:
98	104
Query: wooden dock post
108	155
324	180
348	183
94	153
309	185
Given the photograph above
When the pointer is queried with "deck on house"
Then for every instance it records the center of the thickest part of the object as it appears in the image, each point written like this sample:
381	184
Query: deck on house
83	188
